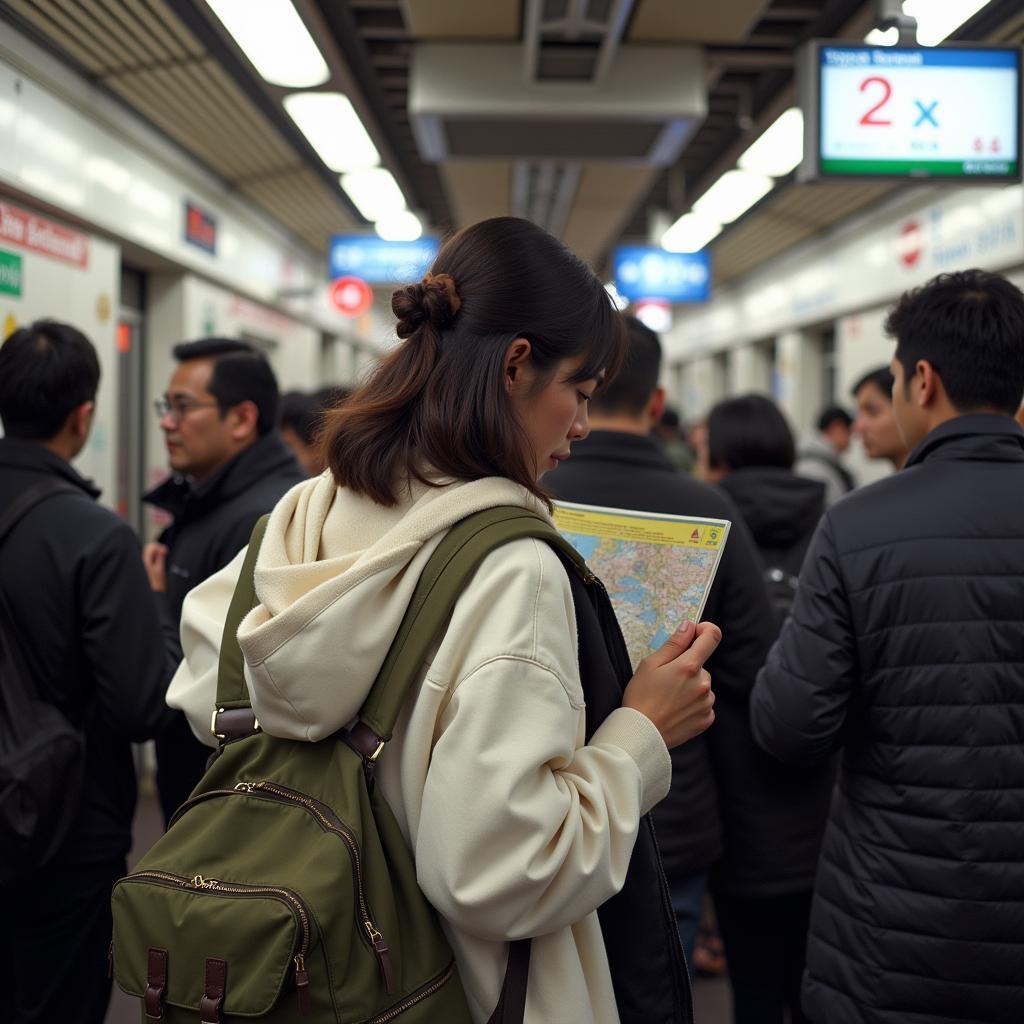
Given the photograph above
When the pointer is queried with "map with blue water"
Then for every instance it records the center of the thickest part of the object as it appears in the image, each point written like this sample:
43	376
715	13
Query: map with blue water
657	569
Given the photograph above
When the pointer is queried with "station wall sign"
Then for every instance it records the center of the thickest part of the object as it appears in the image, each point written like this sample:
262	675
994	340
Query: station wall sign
10	274
37	234
647	272
379	262
200	228
351	296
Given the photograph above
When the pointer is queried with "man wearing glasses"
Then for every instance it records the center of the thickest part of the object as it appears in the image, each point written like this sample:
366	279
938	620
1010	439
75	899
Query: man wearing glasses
229	466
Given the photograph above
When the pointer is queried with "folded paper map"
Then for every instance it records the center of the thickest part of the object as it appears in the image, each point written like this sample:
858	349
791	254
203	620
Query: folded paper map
657	569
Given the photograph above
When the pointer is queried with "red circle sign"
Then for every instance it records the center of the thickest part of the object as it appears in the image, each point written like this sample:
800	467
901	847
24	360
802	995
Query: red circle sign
351	296
910	245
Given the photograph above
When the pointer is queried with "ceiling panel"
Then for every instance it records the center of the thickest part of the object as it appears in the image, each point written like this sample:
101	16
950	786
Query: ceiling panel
684	21
478	189
605	198
463	19
145	54
302	202
793	216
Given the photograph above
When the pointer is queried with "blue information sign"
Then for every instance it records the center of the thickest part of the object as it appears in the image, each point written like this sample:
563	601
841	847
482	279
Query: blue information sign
380	262
647	272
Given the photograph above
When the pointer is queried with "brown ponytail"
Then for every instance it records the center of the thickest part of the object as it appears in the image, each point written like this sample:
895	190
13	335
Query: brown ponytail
437	404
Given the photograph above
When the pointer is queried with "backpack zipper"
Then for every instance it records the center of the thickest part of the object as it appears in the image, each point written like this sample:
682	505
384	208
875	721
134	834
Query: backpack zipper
330	822
215	885
418	996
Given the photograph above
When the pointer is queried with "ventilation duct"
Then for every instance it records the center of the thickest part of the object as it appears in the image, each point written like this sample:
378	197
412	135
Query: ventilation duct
474	102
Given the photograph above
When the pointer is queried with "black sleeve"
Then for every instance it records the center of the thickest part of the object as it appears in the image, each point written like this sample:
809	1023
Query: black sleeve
799	705
122	637
739	605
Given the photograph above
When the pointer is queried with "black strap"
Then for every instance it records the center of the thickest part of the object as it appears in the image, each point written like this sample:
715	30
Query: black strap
25	502
511	1006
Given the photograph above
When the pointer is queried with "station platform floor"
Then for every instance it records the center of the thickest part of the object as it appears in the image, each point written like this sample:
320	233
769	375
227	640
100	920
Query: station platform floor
712	1002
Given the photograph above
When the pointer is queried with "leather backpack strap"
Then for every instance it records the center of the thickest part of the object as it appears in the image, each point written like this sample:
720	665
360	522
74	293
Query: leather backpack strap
449	568
232	716
511	1006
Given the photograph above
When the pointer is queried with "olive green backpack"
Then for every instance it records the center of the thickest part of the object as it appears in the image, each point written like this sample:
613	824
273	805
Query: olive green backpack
283	889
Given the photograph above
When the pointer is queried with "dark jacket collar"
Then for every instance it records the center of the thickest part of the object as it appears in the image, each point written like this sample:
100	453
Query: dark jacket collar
620	446
34	458
267	456
981	436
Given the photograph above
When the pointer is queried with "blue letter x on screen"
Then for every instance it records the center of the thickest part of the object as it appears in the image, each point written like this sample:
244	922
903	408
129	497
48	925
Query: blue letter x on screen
927	113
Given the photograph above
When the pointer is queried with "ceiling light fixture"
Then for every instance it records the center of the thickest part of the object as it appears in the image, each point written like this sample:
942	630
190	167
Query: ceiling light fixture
332	127
276	41
399	227
691	233
374	192
779	149
936	21
732	195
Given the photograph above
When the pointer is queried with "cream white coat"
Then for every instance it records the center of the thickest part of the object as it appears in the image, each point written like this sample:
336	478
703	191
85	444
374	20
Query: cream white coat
518	826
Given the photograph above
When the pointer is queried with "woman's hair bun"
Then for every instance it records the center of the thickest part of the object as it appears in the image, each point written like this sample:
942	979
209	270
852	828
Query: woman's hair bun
433	300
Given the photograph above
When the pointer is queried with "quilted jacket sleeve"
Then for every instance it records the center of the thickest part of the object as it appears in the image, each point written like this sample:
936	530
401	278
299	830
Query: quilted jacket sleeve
799	704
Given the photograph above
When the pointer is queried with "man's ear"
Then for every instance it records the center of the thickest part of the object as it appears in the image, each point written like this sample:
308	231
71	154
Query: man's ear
926	384
656	406
245	420
517	357
79	420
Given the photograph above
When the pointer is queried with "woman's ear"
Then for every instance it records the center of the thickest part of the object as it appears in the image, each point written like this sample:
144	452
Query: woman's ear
517	358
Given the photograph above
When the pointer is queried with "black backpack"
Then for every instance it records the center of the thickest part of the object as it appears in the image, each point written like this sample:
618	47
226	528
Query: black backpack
41	752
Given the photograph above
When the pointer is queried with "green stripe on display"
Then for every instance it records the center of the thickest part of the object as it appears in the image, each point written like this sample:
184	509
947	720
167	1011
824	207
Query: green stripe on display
924	168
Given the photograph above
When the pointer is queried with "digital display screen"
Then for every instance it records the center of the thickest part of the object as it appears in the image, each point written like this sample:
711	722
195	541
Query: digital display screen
927	112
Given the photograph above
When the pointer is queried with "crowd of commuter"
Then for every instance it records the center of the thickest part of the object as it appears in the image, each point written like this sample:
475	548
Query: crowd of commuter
849	796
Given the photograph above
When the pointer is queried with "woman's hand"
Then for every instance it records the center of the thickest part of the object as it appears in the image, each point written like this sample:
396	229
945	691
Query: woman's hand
671	686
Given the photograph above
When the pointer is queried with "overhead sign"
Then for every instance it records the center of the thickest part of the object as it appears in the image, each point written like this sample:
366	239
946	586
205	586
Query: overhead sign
10	274
921	112
351	296
647	272
43	236
380	262
200	228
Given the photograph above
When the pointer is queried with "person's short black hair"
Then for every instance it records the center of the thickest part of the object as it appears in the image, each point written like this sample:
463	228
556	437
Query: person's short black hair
46	370
631	388
970	326
882	379
670	418
303	411
749	431
834	414
241	373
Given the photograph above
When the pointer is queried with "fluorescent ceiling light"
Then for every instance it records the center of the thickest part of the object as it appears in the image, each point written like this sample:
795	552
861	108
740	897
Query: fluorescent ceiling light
332	127
690	233
374	192
936	20
779	149
732	195
275	39
399	227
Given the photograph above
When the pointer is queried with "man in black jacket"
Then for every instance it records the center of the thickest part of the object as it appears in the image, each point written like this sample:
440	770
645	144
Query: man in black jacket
621	466
904	647
230	467
91	645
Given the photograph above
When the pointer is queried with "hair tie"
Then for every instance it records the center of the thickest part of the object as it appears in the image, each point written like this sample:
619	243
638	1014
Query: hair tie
445	281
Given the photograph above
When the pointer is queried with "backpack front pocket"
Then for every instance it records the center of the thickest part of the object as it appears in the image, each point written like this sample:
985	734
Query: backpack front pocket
261	933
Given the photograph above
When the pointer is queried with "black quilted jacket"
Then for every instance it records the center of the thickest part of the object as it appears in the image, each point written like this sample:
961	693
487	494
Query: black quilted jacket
906	646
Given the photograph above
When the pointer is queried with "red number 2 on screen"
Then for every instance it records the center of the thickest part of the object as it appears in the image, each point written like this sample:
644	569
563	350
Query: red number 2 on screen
869	118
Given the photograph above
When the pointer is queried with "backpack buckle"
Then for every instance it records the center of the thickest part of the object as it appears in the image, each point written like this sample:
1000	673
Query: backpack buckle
233	723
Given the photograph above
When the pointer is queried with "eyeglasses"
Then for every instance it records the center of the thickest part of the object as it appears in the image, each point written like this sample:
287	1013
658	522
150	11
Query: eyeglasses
178	409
